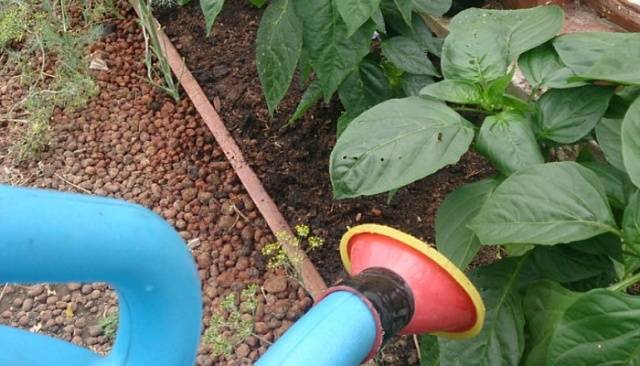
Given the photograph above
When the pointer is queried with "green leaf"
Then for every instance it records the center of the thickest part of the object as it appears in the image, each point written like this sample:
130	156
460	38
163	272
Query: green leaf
418	31
429	350
482	43
332	54
631	223
545	204
631	142
378	18
343	121
615	183
567	115
364	87
310	97
544	304
432	7
564	264
605	56
258	3
405	7
408	56
356	12
455	91
542	66
210	10
501	341
278	48
395	143
453	238
608	135
507	140
605	244
412	84
601	327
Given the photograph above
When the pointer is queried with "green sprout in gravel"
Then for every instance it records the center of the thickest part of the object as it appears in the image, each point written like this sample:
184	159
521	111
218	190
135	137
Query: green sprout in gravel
109	325
303	239
232	324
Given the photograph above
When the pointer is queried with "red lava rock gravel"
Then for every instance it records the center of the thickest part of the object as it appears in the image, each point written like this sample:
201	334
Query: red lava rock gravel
133	143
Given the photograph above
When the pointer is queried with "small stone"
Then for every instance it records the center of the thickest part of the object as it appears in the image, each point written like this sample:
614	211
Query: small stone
261	327
95	330
242	350
74	286
275	284
27	305
226	222
376	212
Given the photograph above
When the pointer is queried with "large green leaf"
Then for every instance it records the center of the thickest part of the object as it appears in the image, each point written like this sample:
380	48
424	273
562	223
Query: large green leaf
432	7
356	12
608	135
482	43
631	223
615	183
395	143
545	204
565	264
210	10
507	140
278	48
364	87
544	304
602	327
542	66
418	31
332	54
453	238
455	91
567	115
501	341
605	244
408	56
601	55
310	97
631	142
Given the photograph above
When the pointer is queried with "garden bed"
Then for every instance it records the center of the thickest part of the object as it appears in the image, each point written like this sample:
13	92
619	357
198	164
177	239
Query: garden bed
224	65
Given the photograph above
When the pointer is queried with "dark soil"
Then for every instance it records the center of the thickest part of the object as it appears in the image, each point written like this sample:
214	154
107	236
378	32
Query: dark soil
293	162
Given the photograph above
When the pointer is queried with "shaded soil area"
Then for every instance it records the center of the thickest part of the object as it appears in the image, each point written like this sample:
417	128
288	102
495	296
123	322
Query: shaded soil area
293	162
132	142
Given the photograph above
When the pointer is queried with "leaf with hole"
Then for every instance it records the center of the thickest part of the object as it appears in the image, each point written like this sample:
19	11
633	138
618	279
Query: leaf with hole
278	49
395	143
507	140
545	204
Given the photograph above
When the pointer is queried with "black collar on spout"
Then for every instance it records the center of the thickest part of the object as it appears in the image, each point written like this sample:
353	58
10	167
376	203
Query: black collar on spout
389	295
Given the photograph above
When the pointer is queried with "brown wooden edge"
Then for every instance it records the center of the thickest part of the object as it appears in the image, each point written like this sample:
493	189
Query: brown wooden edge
311	279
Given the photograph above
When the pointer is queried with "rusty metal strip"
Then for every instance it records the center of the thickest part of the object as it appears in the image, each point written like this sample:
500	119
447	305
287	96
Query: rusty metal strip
311	279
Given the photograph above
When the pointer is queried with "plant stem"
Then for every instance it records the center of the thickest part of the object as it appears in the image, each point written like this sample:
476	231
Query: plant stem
467	109
624	284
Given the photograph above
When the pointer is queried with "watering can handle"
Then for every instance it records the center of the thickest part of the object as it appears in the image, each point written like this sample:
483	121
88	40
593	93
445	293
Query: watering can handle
60	237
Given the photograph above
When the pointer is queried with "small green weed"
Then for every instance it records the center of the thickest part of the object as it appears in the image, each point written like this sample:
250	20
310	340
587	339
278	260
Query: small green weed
275	251
12	25
232	324
109	325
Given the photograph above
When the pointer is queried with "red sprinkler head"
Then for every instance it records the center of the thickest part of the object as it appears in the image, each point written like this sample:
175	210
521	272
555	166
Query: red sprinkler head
445	301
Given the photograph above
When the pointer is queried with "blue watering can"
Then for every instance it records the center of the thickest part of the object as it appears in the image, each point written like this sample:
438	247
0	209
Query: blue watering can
60	237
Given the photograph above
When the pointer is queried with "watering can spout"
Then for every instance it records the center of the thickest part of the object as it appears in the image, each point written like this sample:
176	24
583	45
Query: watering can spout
397	285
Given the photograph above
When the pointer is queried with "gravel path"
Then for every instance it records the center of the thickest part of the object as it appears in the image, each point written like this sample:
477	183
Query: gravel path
133	143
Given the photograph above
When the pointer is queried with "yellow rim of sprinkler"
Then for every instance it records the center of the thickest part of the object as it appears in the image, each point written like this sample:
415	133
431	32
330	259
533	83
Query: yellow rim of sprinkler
430	253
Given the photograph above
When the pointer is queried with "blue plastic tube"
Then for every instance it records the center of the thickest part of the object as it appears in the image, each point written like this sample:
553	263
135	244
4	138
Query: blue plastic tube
57	237
338	331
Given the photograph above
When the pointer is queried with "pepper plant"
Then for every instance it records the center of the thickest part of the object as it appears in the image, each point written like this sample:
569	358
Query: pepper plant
366	51
564	203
